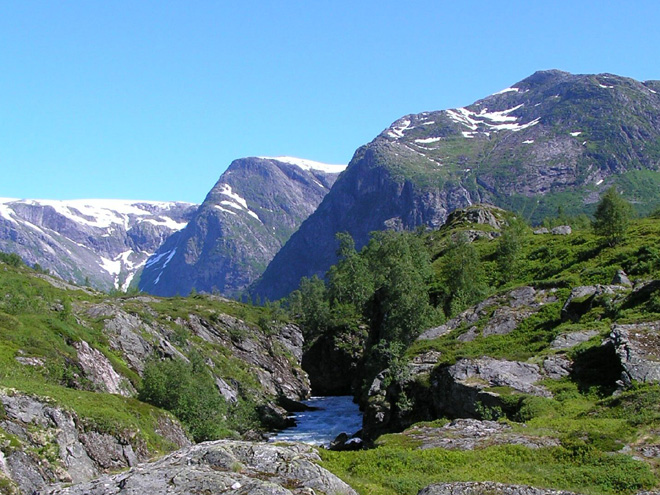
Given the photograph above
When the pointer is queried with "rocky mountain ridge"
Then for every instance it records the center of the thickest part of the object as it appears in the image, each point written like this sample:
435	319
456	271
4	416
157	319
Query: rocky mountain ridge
248	215
103	243
553	139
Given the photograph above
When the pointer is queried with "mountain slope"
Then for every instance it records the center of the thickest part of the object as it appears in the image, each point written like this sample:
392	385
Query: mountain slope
100	242
248	215
553	139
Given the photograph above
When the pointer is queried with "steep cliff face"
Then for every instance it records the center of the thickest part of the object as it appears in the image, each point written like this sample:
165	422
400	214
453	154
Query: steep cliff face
103	243
553	139
248	215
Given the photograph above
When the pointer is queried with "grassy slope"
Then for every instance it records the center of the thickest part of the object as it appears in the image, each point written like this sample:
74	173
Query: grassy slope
40	321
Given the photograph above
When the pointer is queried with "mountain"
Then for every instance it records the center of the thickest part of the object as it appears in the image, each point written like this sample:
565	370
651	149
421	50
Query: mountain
245	219
103	243
552	140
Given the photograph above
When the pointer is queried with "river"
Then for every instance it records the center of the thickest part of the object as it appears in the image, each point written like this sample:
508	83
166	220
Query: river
335	414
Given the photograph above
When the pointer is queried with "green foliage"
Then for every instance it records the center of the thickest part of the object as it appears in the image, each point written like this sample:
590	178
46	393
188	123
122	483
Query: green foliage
400	470
188	391
463	275
510	249
350	281
612	217
400	307
11	259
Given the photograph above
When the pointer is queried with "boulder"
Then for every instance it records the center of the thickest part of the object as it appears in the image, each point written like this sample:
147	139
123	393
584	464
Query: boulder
561	230
243	468
638	348
459	390
571	339
470	434
620	278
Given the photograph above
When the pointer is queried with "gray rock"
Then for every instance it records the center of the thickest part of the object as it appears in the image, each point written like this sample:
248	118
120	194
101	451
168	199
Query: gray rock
541	231
620	278
470	434
27	472
72	454
217	467
561	230
583	298
504	312
568	340
457	390
99	370
557	366
487	488
638	348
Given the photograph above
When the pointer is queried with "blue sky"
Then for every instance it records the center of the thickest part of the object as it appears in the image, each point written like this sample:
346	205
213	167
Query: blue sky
154	99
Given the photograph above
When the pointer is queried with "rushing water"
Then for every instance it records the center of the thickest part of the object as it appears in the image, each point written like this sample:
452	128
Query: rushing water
335	414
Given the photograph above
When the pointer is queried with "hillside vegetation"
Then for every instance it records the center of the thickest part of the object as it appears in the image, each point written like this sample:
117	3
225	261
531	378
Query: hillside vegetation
120	378
496	353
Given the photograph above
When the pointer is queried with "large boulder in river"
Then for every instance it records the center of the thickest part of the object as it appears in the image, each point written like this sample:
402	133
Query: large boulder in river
243	468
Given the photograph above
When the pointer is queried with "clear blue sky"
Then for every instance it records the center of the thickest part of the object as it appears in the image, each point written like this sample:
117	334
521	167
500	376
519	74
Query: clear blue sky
154	99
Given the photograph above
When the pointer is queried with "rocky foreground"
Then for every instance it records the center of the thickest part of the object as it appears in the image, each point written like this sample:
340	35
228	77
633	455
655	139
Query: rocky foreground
223	466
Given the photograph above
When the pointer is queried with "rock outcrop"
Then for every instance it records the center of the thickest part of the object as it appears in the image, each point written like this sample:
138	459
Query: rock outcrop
219	467
638	348
487	488
74	452
471	434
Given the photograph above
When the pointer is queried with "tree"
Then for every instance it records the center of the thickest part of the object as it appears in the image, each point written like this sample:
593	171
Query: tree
349	281
509	249
612	217
402	273
463	275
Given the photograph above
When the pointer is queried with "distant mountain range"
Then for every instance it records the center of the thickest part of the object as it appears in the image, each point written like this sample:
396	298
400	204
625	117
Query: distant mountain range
245	219
103	243
554	139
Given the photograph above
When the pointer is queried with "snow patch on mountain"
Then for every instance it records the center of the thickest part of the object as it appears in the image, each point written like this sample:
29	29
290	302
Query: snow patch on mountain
485	120
307	164
237	202
506	90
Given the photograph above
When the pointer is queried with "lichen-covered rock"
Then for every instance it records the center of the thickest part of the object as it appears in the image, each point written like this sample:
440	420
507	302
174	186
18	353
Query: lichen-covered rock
99	370
571	339
55	446
470	434
638	347
487	488
242	468
504	312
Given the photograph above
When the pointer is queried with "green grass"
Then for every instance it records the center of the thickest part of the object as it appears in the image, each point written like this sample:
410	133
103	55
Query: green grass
404	471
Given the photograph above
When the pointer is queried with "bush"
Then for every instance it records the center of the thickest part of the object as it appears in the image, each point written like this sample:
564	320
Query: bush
187	391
